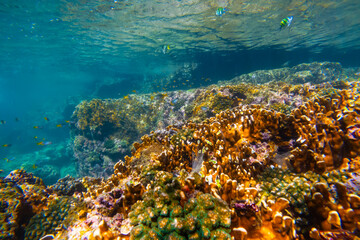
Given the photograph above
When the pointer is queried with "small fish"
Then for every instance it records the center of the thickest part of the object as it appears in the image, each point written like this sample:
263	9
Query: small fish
174	101
69	122
165	49
7	145
17	119
286	22
9	159
42	143
134	91
126	97
2	121
59	125
35	137
37	127
152	97
34	166
46	119
1	170
220	11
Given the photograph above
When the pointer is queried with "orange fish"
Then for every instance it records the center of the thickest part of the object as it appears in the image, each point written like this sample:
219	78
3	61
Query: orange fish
46	118
126	97
134	91
6	145
59	125
42	143
34	166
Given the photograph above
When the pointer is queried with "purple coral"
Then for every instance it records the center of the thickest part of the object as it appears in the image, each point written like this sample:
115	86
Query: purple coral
353	184
105	201
245	209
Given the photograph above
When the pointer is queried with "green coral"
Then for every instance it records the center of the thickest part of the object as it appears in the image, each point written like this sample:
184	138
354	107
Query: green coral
281	107
162	215
61	212
278	183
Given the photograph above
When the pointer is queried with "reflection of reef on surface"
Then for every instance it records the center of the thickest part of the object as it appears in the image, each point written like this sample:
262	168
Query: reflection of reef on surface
233	164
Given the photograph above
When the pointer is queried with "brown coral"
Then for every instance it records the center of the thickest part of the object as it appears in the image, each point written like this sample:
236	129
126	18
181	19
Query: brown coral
327	132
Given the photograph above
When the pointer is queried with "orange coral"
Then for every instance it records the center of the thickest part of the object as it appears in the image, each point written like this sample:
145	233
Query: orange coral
327	132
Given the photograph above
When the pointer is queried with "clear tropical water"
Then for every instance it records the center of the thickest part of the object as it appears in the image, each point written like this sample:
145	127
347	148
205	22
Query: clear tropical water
53	54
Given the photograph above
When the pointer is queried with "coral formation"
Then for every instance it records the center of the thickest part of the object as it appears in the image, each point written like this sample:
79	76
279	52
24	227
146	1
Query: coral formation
68	186
12	211
120	122
276	161
57	216
166	213
325	127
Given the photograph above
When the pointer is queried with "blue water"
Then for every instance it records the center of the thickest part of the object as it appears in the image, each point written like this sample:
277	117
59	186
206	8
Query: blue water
53	54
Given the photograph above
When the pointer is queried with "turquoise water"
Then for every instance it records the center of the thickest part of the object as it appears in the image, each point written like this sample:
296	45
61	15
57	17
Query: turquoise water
53	54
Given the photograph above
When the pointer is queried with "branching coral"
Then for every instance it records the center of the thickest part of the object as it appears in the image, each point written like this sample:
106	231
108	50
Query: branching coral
327	132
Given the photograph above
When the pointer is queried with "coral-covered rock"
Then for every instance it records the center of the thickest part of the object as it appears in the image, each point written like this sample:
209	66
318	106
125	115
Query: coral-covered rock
68	186
14	211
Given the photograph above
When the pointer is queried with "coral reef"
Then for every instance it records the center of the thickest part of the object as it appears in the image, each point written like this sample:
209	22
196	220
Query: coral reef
104	130
274	161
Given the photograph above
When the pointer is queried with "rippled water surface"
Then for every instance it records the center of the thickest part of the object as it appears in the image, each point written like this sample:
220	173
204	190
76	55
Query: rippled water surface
108	31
